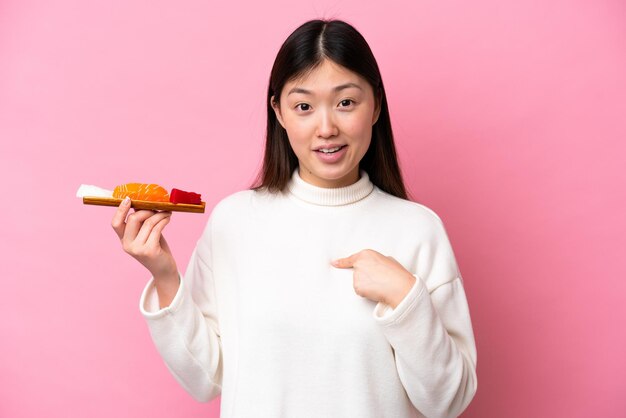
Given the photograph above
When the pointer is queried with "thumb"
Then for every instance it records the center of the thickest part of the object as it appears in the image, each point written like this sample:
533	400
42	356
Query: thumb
344	263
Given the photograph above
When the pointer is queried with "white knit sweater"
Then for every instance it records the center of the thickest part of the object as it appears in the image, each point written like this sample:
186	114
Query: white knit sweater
262	318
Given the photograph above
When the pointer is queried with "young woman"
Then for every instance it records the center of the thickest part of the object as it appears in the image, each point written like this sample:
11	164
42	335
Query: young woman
322	291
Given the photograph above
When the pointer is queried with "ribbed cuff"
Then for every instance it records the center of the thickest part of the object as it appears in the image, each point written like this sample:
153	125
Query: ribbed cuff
385	314
149	300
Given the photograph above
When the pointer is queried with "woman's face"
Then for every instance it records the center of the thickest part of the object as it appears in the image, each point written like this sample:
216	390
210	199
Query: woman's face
328	116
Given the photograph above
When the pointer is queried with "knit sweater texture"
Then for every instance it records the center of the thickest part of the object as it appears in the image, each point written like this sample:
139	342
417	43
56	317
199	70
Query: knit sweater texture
263	319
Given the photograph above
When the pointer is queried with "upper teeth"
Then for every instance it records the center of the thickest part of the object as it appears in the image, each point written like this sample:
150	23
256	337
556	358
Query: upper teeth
327	150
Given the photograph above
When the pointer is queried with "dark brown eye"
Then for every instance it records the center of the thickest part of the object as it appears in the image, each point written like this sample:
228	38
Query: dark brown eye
346	102
304	107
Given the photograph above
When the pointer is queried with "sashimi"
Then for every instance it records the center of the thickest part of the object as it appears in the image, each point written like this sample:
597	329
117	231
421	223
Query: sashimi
142	191
180	196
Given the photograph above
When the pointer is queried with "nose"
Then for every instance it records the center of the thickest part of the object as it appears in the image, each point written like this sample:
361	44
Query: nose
326	127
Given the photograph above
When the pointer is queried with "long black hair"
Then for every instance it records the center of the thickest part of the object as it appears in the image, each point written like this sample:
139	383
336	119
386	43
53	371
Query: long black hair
302	51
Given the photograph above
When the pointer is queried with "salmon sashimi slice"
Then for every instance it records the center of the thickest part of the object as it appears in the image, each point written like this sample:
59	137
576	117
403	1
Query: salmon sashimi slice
142	191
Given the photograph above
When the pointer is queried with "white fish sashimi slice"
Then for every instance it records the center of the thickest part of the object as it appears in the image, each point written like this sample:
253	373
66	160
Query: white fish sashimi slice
93	191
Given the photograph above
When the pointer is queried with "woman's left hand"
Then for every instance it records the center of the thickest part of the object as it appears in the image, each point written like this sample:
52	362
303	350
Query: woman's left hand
378	277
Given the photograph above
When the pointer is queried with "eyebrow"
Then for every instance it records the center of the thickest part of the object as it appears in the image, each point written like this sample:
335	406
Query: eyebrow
336	89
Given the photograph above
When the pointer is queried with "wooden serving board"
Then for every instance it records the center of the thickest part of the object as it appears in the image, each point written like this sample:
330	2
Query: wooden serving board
144	204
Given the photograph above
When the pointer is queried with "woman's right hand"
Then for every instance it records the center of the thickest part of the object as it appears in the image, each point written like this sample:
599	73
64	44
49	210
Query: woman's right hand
141	237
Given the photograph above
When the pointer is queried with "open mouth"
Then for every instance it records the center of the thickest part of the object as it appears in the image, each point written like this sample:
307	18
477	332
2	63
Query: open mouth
330	150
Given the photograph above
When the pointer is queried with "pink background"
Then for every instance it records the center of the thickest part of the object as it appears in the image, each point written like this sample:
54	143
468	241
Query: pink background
510	124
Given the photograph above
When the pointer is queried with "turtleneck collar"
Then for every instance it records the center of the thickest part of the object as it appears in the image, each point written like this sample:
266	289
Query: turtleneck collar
327	196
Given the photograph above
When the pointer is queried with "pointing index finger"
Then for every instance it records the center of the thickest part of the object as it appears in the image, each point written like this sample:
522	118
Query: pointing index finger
345	263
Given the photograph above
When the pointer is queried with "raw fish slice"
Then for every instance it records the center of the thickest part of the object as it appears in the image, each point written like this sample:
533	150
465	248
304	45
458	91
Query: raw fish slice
181	196
142	191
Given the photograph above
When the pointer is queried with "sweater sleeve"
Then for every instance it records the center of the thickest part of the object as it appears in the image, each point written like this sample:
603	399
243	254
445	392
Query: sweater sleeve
431	334
186	333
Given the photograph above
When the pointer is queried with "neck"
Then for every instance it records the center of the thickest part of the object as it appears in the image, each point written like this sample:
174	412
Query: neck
350	178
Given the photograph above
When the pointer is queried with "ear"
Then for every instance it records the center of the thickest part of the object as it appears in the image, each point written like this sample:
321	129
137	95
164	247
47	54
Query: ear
276	107
378	101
